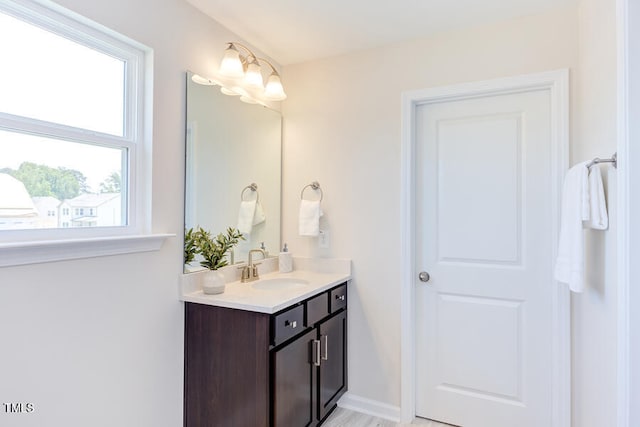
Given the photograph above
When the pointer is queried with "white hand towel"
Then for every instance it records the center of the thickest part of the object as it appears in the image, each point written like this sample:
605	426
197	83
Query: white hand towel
309	218
598	220
246	215
575	208
259	217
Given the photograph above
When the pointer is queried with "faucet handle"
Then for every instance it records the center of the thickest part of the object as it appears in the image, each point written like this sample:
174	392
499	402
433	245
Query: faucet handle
245	273
254	271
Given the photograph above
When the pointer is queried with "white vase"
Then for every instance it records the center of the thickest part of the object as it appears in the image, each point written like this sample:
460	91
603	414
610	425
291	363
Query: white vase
213	282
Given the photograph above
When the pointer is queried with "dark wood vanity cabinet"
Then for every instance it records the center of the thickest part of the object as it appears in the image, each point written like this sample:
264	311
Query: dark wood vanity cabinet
286	369
294	377
332	379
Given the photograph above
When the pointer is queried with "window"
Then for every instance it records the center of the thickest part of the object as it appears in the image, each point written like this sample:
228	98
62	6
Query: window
70	122
72	129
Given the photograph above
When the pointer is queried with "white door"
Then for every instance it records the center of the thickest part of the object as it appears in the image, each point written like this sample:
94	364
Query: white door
484	234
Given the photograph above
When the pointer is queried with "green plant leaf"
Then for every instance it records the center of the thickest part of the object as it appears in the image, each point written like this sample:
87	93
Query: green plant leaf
214	251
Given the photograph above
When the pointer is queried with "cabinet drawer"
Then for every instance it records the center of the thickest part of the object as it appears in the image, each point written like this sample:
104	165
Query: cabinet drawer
288	324
338	298
317	308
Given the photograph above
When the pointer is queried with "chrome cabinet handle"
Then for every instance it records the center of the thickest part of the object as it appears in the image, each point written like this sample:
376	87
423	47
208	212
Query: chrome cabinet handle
293	324
424	276
325	354
340	297
316	352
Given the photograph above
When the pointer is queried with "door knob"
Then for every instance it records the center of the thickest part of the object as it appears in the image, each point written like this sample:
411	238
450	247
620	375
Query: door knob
424	276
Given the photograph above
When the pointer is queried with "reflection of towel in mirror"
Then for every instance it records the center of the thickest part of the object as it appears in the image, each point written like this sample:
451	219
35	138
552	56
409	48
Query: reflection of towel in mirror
259	217
309	219
246	215
583	205
250	214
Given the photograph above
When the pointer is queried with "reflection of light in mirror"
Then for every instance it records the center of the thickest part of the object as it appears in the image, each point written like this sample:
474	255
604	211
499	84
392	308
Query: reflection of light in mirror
228	92
248	100
234	91
238	90
204	81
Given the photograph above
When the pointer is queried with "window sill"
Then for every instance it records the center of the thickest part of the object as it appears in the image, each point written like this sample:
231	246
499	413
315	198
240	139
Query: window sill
23	253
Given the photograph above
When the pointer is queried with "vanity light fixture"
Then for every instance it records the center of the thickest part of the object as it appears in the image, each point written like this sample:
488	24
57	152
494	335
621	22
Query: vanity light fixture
246	71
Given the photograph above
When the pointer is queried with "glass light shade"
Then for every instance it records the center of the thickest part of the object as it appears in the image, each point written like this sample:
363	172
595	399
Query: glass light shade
253	76
231	65
274	90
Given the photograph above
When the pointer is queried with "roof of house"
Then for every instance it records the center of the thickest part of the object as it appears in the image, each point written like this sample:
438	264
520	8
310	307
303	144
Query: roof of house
15	201
46	202
91	200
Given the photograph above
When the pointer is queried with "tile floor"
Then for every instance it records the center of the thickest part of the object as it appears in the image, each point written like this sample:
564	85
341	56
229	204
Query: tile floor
346	418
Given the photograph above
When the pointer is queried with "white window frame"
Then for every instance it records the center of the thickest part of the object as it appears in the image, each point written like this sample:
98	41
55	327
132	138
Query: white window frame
18	247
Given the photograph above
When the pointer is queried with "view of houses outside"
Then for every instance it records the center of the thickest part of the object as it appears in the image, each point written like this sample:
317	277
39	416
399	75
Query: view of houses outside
36	203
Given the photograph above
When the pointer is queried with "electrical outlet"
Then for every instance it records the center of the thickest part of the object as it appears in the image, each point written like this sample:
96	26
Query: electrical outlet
323	239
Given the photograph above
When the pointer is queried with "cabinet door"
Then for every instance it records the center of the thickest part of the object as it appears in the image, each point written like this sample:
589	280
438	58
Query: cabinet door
226	377
332	381
293	379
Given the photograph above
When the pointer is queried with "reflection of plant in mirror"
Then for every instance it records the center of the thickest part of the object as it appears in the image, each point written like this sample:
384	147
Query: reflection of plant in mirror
190	246
213	251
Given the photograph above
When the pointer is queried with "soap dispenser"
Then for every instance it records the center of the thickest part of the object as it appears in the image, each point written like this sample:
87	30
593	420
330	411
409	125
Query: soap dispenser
285	260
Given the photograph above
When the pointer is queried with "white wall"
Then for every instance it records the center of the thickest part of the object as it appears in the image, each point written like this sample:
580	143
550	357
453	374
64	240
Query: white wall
633	40
594	314
342	128
99	342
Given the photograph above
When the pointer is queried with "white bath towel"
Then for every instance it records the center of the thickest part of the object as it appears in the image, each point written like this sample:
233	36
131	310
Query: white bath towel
583	206
598	219
245	216
309	218
575	208
259	217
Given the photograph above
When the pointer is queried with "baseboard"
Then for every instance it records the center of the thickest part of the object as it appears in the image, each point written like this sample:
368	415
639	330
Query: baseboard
370	407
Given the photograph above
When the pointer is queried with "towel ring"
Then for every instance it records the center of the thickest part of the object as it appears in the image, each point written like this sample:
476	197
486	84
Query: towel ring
314	186
252	187
597	160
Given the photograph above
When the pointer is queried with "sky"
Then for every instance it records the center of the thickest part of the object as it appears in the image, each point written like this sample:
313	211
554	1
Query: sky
63	82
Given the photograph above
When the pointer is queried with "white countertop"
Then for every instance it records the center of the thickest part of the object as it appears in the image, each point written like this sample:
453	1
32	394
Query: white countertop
321	274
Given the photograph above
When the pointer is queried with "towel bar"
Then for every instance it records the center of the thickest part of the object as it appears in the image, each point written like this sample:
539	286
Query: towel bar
613	159
314	186
253	187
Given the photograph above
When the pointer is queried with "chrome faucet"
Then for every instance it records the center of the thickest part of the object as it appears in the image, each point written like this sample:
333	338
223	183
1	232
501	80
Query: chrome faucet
250	271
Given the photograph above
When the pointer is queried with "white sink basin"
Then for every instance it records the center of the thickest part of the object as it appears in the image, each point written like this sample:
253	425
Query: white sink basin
279	284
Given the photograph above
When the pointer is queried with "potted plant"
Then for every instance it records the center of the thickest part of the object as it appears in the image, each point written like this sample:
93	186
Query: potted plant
213	252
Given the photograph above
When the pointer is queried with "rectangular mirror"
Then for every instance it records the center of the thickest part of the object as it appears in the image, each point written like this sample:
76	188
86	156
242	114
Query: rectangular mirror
231	145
